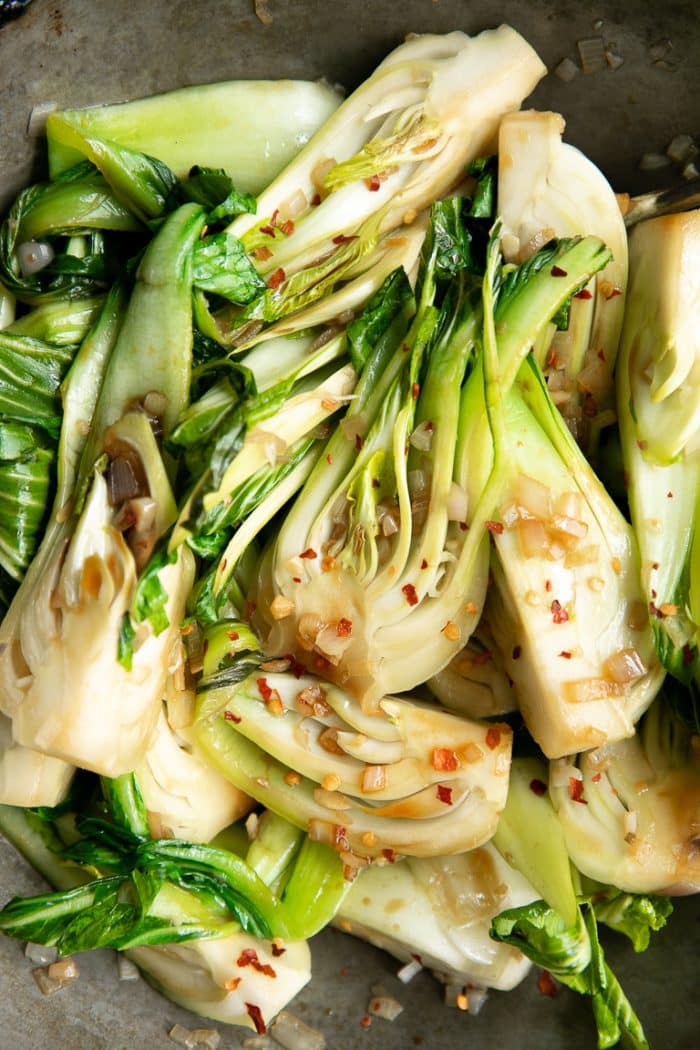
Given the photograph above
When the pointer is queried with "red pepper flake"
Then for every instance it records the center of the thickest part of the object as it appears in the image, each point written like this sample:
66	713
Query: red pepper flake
373	183
688	655
344	628
576	790
415	391
410	595
557	271
495	526
559	615
275	216
249	609
517	650
375	483
552	359
546	985
232	983
565	654
255	1014
444	794
295	666
358	442
444	760
596	778
538	787
463	526
296	579
343	238
315	200
329	458
287	227
389	855
340	838
263	253
405	348
493	737
233	635
424	563
249	957
583	294
548	585
264	689
321	664
309	553
269	230
366	1021
654	610
230	717
613	293
669	495
276	278
277	949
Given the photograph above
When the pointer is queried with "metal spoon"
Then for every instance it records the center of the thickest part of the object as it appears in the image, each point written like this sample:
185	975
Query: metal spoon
664	202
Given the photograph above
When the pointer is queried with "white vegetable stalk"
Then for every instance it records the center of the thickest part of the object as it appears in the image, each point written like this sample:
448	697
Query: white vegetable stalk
440	909
411	779
27	777
184	796
205	976
633	821
474	683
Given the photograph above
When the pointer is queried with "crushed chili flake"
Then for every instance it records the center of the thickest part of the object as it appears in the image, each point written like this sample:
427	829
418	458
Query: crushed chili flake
424	563
405	348
444	794
583	294
389	855
268	229
482	657
463	526
559	614
552	358
655	611
277	949
595	778
343	628
444	760
517	650
557	271
255	1014
321	664
546	985
276	278
688	655
309	553
495	526
296	579
358	442
327	563
231	717
249	609
275	216
576	790
548	585
613	293
538	787
249	957
329	458
493	737
410	595
565	654
295	666
366	1021
343	238
262	253
415	391
315	200
373	183
233	635
264	689
232	984
287	227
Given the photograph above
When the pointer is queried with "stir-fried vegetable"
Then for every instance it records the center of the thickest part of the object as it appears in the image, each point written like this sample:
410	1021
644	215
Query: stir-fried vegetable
300	493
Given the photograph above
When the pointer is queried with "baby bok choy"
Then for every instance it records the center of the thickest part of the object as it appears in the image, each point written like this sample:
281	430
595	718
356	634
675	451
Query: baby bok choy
86	642
659	410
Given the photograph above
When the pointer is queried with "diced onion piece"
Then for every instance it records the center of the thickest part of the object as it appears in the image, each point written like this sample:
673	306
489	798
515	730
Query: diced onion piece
331	799
373	779
624	666
533	496
291	1033
274	447
322	831
570	528
332	644
281	607
128	971
566	70
385	1006
587	689
409	971
320	170
510	246
34	256
251	825
457	503
533	538
294	206
195	1037
65	970
562	772
592	52
43	954
422	437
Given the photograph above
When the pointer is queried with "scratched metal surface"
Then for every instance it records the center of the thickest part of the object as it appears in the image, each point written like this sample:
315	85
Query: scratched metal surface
80	52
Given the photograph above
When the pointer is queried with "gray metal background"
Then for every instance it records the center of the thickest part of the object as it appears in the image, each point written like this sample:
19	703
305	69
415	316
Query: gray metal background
79	52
